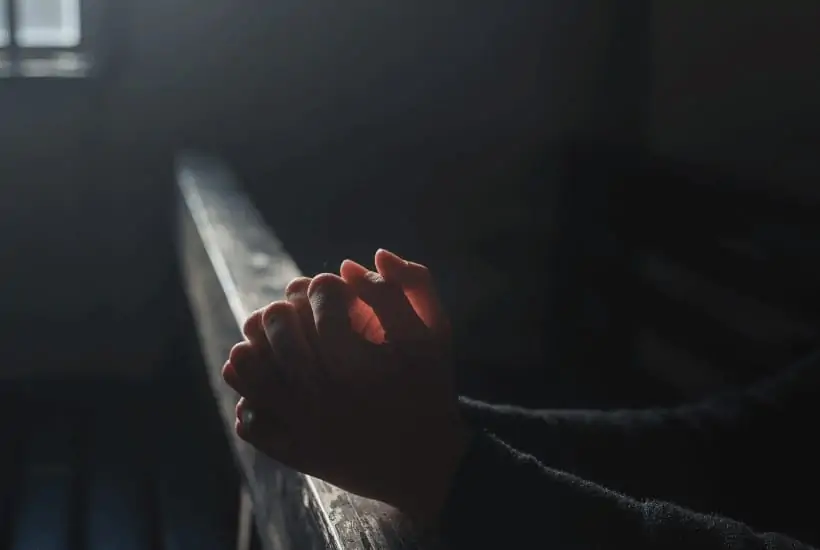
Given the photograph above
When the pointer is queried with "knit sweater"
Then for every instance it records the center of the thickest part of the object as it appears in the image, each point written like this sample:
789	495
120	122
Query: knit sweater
734	472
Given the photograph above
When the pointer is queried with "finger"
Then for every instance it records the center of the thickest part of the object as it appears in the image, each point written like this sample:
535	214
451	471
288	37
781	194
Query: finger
265	431
296	294
253	326
418	286
352	272
251	376
391	306
363	318
331	299
232	379
283	330
256	421
254	331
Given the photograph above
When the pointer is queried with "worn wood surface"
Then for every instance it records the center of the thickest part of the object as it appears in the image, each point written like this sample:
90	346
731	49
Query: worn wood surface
234	264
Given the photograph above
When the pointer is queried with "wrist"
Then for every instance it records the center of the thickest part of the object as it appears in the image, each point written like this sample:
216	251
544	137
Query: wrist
428	497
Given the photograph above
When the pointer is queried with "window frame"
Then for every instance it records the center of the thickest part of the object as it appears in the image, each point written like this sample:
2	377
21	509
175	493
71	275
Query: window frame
18	61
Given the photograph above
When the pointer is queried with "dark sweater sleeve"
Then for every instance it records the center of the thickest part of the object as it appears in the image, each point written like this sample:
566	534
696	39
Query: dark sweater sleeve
505	499
690	454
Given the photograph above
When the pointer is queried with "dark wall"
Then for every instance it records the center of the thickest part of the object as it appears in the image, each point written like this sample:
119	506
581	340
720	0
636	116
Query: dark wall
737	84
323	100
273	81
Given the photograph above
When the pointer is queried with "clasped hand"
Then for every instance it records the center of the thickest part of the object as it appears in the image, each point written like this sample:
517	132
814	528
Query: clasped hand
349	380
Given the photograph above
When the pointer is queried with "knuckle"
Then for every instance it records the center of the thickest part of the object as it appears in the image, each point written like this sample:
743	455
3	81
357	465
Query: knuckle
374	278
252	323
240	353
277	310
297	286
326	287
228	372
241	430
242	409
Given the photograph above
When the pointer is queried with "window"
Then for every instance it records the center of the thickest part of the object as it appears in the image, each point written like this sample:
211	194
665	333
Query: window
5	28
48	23
41	38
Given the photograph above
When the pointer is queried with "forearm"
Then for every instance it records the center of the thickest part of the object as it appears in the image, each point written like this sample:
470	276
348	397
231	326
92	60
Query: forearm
688	454
504	499
645	453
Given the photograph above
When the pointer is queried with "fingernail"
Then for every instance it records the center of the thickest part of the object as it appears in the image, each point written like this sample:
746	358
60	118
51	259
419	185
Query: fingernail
350	265
247	417
297	287
331	286
392	256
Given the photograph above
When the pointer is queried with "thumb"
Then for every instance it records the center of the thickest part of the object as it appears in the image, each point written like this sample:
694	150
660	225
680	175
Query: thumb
417	283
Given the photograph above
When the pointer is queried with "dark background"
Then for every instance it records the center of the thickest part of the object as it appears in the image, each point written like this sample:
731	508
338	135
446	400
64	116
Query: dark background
480	137
455	108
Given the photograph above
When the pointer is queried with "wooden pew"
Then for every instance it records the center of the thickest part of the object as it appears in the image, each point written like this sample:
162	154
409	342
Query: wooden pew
233	264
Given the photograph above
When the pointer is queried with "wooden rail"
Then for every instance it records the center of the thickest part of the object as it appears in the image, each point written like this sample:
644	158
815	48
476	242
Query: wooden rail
233	264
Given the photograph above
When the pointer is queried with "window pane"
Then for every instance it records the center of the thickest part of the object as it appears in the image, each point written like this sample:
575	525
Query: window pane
48	23
4	25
